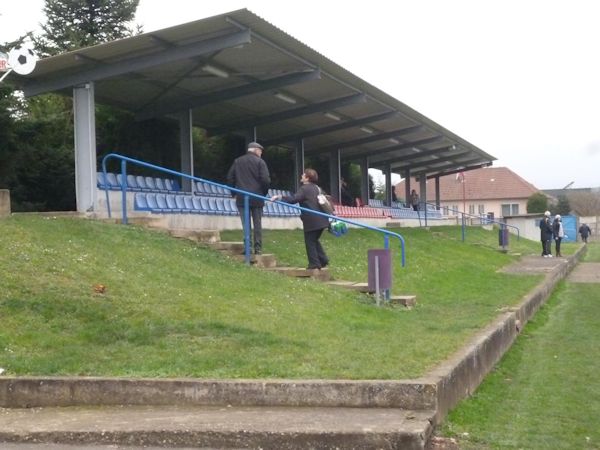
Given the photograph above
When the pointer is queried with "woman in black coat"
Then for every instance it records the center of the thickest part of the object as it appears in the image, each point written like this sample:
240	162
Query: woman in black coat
312	224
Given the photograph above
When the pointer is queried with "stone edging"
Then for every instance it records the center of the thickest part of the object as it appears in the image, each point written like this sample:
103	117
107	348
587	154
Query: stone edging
459	376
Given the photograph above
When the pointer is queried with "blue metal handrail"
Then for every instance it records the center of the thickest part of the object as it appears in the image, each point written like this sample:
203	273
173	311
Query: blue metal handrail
124	159
487	220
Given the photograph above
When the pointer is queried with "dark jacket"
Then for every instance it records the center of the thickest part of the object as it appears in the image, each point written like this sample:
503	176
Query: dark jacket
584	230
545	229
249	173
307	197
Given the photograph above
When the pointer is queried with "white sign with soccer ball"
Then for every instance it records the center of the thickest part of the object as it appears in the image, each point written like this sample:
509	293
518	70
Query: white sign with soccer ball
22	60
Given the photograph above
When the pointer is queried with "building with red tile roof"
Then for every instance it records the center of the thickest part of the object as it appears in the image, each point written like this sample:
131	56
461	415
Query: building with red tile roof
491	190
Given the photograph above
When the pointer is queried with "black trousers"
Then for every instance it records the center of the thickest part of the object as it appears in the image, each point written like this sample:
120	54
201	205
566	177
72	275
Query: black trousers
254	223
557	241
546	247
314	250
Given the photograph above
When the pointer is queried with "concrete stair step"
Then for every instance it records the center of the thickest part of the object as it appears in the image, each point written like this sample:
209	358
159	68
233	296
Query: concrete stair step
299	272
204	236
220	426
266	260
233	247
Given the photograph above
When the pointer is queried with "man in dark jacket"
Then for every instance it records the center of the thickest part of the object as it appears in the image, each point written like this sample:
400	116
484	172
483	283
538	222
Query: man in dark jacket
546	235
250	173
585	231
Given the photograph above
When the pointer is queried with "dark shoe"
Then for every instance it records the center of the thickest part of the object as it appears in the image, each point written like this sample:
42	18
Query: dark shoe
313	268
325	264
258	252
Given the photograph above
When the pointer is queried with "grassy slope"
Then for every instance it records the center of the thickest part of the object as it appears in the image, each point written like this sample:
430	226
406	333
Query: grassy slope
174	309
545	393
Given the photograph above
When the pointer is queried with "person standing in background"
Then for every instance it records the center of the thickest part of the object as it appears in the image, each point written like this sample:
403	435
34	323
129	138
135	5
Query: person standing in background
414	200
584	231
546	235
559	233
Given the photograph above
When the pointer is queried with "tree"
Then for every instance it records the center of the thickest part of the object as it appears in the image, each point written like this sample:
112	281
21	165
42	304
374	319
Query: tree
585	203
563	207
73	24
537	203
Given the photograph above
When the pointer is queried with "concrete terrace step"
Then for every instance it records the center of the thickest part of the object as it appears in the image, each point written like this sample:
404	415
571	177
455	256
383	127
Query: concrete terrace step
299	272
220	426
265	261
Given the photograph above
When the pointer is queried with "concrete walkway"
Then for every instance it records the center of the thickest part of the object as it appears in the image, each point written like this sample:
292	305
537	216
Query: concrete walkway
585	273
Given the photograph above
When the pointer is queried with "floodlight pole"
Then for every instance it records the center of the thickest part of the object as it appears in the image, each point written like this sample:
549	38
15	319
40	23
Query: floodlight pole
5	75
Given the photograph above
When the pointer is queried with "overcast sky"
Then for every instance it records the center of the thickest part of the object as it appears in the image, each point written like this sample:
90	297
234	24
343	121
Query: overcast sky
520	79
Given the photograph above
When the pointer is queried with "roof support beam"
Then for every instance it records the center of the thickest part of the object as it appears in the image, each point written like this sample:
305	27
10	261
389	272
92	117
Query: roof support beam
450	165
375	153
289	114
443	158
330	128
138	63
464	169
408	157
367	140
230	94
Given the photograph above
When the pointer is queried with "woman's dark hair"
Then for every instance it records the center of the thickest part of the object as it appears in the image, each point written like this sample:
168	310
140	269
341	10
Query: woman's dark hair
312	175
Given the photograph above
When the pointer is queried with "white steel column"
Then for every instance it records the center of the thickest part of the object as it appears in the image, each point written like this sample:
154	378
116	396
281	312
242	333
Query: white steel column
85	147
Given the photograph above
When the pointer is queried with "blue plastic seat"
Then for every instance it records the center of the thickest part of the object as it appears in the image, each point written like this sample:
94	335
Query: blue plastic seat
269	209
150	183
152	203
140	203
113	182
201	188
188	201
198	206
169	185
100	181
180	203
141	182
160	185
172	203
206	206
131	183
161	201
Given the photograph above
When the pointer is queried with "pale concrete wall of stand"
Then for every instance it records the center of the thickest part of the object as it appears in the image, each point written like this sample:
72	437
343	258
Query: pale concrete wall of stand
4	203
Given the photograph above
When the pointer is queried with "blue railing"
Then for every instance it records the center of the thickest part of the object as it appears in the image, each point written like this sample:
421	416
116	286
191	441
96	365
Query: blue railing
246	214
484	220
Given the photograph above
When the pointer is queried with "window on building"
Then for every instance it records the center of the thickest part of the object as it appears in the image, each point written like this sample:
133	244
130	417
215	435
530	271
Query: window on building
481	209
510	209
471	209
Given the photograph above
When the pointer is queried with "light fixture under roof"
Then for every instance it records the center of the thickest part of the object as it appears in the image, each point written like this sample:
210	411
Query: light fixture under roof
215	71
394	141
332	116
367	130
286	98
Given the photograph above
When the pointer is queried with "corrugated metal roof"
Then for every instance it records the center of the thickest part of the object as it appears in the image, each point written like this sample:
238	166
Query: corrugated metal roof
164	72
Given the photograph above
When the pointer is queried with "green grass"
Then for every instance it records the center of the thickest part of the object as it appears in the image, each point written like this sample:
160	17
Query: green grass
545	393
174	309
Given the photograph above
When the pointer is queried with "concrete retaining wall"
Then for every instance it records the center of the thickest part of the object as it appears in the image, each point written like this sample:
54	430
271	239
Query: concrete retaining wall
19	392
4	203
459	376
